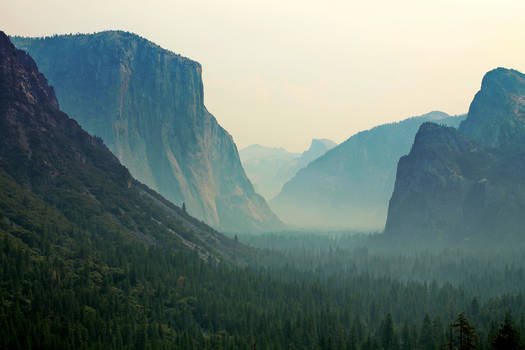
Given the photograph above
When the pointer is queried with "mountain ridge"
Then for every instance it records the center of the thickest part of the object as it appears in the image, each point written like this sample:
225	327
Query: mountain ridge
349	186
269	168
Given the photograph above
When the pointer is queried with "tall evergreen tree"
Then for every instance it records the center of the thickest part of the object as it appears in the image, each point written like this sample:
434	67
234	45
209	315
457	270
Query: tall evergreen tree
508	336
389	338
406	340
426	335
464	336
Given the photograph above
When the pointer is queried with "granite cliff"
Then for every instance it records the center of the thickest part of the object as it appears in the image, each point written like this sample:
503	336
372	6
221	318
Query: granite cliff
496	116
467	183
147	104
61	188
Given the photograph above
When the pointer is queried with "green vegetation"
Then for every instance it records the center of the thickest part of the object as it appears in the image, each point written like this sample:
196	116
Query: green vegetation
87	293
92	259
146	104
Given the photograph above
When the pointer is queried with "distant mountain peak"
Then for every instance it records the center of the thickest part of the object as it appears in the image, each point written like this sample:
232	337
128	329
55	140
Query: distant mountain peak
326	142
349	186
436	115
317	148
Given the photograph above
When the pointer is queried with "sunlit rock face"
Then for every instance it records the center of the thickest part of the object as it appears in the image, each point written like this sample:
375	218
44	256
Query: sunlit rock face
469	182
146	103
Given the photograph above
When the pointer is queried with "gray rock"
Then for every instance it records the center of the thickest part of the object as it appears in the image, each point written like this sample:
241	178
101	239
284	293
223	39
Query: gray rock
146	103
467	183
496	116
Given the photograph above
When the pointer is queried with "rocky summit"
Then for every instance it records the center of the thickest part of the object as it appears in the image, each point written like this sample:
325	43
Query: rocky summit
147	105
467	183
496	116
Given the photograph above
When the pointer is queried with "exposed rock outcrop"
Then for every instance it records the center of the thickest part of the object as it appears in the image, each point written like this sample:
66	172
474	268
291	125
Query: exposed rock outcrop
467	183
49	158
147	104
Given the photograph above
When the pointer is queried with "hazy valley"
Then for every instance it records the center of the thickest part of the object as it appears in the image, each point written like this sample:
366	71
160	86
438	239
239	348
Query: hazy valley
129	219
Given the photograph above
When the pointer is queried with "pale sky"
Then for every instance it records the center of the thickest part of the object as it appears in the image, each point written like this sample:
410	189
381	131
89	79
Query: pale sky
280	73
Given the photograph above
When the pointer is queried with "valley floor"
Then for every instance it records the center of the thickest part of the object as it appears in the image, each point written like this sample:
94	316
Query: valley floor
300	291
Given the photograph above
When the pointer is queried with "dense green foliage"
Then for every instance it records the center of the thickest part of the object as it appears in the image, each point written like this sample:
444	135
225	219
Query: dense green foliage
129	295
92	259
147	105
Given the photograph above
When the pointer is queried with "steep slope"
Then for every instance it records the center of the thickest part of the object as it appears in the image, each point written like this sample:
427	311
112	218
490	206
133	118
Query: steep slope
146	103
349	187
467	183
270	168
58	173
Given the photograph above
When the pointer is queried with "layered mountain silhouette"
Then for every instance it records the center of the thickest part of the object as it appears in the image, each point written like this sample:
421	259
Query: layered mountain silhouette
349	186
469	182
147	105
267	167
62	189
270	168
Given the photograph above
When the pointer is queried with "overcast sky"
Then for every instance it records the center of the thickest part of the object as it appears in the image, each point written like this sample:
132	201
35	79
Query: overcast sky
280	73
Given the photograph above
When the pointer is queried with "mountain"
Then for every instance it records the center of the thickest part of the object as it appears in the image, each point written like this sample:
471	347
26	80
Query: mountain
467	183
496	116
266	167
58	184
317	148
350	185
147	105
270	168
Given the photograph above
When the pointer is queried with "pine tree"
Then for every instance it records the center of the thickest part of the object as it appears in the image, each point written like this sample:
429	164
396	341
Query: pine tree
406	342
508	336
463	334
426	335
389	339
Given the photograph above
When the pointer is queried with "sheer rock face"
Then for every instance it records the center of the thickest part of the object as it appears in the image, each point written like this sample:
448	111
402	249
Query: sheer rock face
47	155
496	116
350	185
146	103
435	181
466	183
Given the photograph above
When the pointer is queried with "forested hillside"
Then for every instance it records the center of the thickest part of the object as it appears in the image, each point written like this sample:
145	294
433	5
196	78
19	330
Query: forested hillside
92	259
147	105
